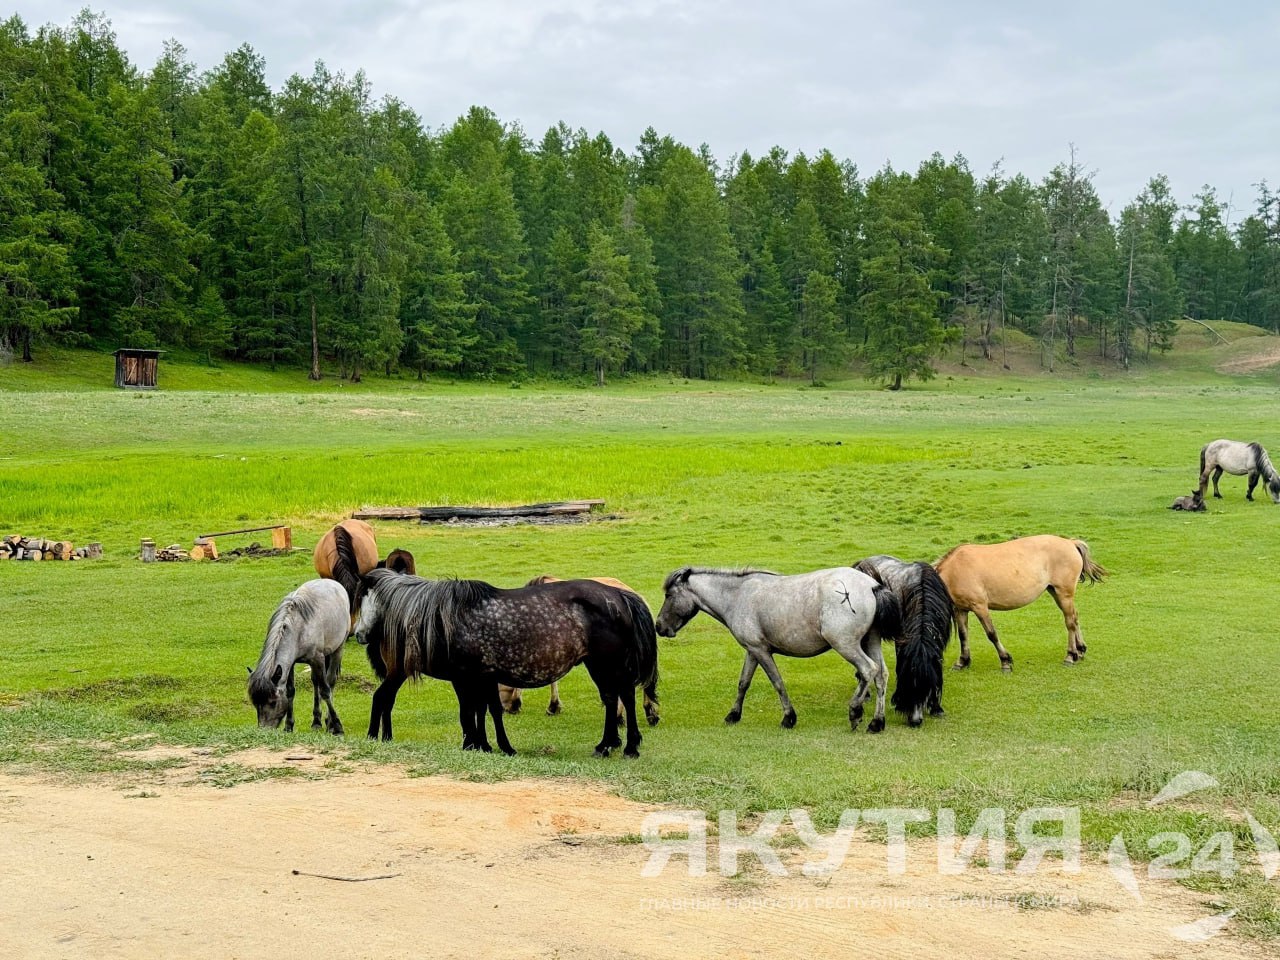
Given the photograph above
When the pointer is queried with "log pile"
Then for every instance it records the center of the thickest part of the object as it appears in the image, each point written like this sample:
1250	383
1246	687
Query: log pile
173	553
17	547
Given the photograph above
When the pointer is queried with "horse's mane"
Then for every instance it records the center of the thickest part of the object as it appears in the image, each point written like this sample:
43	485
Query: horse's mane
419	617
295	606
676	576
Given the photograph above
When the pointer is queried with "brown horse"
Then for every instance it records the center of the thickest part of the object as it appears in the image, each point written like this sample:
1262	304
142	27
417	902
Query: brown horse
1006	576
511	696
364	546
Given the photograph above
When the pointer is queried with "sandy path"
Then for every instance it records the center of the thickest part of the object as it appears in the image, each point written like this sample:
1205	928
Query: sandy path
513	870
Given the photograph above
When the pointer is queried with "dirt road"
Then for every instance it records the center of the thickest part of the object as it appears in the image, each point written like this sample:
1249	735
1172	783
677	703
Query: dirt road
513	870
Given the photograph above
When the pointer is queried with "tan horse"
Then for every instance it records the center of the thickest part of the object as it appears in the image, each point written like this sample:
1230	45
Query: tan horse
511	696
364	546
1006	576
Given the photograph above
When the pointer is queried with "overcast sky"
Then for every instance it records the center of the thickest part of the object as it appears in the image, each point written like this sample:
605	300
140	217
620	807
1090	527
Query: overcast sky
1188	89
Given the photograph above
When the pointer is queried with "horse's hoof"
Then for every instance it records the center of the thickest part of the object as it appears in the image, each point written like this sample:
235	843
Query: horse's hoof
732	717
631	753
316	725
338	731
653	720
937	712
553	708
1070	661
1007	666
960	665
876	725
915	721
788	720
1081	649
602	752
1217	496
470	746
509	751
513	707
386	738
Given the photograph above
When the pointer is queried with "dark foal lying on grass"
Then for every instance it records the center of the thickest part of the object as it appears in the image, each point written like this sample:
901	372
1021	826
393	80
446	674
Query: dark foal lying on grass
1193	503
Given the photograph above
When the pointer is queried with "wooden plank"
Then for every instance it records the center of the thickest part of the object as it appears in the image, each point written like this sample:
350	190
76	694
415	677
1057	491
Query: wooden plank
555	508
232	533
282	538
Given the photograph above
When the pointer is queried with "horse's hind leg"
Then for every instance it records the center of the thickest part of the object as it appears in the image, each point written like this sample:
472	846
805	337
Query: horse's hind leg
553	705
1075	643
610	687
984	615
961	618
332	664
633	727
1217	473
744	684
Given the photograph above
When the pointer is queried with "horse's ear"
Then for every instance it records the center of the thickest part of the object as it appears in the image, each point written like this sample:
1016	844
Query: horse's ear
275	677
250	669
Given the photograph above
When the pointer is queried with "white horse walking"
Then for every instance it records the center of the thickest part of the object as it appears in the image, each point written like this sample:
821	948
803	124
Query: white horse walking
840	609
310	626
1238	458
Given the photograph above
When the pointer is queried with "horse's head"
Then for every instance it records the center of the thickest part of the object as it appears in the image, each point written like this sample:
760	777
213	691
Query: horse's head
367	626
1273	488
270	696
679	606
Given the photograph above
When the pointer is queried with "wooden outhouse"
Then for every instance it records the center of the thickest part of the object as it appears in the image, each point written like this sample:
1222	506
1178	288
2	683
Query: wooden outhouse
136	369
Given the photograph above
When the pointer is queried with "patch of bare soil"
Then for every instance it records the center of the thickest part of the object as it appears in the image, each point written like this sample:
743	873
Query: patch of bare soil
1252	356
526	869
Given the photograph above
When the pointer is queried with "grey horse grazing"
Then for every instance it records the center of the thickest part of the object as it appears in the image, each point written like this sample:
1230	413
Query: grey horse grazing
1238	458
840	609
310	626
926	630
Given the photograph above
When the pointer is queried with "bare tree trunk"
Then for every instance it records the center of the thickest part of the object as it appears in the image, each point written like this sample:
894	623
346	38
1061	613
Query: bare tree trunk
1128	304
315	342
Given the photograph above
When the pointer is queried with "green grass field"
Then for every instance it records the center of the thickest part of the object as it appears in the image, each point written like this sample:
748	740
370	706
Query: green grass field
1182	657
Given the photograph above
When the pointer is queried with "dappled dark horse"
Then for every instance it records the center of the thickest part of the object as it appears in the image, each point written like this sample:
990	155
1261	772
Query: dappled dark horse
476	636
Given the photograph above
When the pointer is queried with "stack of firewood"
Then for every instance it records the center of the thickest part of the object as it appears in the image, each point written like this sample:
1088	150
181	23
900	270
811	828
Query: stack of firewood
150	553
37	548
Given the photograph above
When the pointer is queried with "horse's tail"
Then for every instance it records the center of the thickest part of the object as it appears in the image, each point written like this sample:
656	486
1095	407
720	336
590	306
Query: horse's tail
644	655
926	630
1202	453
888	618
346	568
1090	571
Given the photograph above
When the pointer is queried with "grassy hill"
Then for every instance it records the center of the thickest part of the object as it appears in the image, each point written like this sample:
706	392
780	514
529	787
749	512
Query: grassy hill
1231	349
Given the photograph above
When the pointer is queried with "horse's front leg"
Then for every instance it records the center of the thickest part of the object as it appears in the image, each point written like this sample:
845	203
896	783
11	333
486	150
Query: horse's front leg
471	737
318	667
961	618
499	729
775	677
1006	659
749	665
384	698
1253	482
881	680
288	693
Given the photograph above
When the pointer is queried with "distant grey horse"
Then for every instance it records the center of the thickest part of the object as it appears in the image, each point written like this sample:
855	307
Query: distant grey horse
310	626
1238	458
840	609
